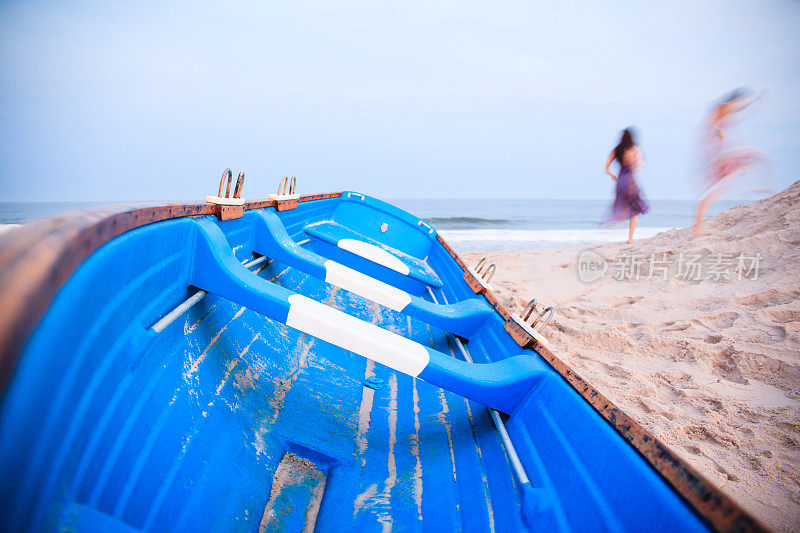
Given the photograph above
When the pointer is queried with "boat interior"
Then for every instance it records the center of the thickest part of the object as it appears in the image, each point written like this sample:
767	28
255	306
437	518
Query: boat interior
326	368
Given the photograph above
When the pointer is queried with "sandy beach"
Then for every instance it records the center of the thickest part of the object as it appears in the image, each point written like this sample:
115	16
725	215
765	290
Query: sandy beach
696	338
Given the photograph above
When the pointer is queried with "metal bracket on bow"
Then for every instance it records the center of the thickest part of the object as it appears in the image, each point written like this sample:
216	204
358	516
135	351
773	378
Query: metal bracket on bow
478	278
286	197
526	332
228	207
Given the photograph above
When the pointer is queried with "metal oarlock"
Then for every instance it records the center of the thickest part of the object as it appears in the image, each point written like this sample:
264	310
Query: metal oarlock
526	332
488	274
227	207
479	277
537	324
227	172
237	193
485	270
528	310
286	186
286	197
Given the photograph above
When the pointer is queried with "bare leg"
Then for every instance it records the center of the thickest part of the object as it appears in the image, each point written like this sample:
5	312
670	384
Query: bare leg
703	206
634	220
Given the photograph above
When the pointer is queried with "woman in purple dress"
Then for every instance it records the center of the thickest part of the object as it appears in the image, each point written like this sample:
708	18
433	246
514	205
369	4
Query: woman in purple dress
629	203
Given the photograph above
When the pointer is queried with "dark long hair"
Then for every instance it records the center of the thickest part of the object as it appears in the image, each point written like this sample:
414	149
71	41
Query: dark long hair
625	142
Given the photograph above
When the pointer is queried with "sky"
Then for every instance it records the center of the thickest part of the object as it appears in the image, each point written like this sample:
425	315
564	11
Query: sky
121	101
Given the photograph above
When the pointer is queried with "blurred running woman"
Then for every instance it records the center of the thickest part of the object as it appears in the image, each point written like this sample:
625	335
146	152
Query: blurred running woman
629	203
723	159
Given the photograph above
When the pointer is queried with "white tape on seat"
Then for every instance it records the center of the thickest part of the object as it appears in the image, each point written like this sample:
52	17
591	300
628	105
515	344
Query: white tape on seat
374	254
357	336
370	288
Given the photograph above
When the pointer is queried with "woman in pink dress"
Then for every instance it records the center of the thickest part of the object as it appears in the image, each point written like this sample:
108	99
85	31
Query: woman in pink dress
723	160
628	203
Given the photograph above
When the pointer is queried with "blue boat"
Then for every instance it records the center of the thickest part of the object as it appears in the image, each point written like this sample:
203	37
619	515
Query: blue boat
302	363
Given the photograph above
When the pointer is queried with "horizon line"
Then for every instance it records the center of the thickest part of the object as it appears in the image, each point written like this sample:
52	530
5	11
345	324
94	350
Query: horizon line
383	198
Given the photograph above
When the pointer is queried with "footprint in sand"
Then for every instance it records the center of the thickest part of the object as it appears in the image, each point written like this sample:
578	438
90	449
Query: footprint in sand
676	327
628	300
776	333
716	405
617	371
645	406
721	470
769	297
666	414
634	329
694	450
718	321
625	301
784	316
724	364
632	325
754	463
764	334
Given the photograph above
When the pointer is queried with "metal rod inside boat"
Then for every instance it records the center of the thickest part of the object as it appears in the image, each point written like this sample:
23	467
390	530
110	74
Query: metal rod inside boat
187	304
498	422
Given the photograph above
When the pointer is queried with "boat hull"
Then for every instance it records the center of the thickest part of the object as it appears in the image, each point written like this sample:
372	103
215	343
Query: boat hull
230	420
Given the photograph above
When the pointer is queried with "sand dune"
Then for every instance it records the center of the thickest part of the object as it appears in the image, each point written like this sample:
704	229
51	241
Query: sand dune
710	366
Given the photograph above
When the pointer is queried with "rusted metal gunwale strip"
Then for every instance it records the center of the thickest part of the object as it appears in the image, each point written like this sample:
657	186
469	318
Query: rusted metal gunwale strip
258	204
718	509
36	260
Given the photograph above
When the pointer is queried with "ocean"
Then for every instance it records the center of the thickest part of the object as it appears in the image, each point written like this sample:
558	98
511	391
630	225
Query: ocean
483	225
489	225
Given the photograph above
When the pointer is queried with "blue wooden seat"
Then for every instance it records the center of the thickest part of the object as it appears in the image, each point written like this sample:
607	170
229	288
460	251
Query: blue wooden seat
374	251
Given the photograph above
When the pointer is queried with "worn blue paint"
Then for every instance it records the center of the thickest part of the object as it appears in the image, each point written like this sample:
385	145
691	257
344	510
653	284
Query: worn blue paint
501	384
108	426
